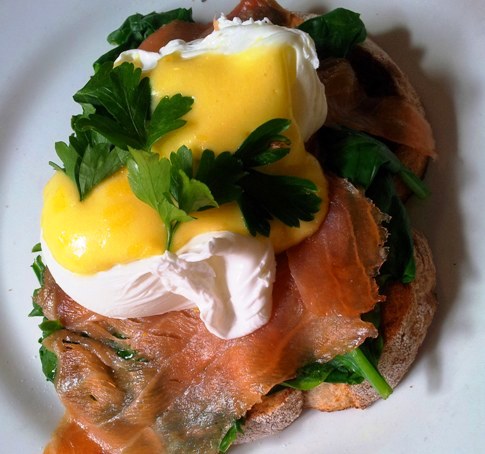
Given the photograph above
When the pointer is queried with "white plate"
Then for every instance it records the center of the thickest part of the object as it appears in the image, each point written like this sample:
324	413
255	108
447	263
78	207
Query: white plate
48	47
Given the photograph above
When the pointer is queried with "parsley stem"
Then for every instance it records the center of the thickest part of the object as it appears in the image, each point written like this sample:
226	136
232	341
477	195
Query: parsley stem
170	233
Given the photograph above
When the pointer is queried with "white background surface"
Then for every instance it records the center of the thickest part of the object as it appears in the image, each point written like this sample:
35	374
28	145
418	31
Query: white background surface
47	49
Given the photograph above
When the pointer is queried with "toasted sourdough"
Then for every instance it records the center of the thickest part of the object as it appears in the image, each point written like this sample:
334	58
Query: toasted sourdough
406	316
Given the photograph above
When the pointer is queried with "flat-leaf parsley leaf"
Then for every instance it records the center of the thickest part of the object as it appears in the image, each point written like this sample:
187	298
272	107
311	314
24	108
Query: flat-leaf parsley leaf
260	196
116	115
167	188
122	100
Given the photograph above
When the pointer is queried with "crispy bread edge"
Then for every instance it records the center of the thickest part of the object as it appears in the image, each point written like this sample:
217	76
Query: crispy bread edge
276	412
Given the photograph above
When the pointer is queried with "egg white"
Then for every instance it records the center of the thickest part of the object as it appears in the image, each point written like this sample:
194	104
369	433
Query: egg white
227	276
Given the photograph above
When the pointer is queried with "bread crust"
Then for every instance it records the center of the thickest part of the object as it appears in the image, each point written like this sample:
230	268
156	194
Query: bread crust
406	316
276	412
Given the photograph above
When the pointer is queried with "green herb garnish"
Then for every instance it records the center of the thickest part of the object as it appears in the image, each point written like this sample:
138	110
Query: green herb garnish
117	115
260	196
166	185
88	163
122	101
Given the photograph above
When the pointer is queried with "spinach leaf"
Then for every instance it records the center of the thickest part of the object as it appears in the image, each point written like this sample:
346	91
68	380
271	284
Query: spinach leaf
372	347
352	368
357	362
336	32
400	263
231	435
39	269
48	359
49	326
36	309
36	247
369	163
313	374
359	157
137	28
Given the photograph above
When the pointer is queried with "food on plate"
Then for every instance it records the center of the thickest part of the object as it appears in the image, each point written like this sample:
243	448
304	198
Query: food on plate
225	240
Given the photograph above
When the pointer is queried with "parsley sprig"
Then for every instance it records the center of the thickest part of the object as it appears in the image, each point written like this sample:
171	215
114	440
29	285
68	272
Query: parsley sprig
168	187
260	196
116	115
122	100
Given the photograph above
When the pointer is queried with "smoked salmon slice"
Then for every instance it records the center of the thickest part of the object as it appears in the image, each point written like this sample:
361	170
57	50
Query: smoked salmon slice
260	9
180	388
332	268
186	31
390	117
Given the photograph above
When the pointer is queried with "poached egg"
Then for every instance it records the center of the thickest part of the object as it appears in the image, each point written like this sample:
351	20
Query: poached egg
108	252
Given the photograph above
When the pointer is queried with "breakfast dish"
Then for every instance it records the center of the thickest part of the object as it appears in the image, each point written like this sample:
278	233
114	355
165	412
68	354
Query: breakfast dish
212	255
334	188
203	252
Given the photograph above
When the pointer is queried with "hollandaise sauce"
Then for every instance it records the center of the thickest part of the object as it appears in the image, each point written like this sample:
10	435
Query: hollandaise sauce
233	95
